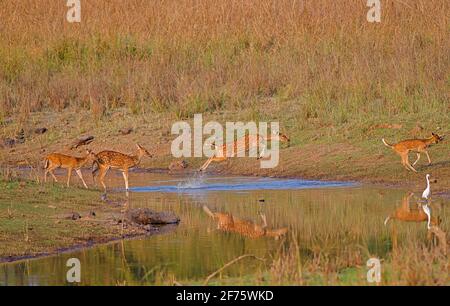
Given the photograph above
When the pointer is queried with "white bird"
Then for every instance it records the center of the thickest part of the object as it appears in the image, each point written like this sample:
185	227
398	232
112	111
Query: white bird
427	192
426	210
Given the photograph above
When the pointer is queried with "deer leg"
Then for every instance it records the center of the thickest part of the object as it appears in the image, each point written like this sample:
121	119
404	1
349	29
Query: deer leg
411	167
69	174
95	169
417	160
429	159
50	170
404	163
408	164
125	178
264	220
78	171
101	176
206	164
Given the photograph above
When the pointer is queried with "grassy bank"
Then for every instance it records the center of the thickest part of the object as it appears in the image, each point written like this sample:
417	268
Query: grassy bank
36	219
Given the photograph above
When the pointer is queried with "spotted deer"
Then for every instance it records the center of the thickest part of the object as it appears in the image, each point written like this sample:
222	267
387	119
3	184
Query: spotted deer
110	159
247	143
414	145
228	223
57	160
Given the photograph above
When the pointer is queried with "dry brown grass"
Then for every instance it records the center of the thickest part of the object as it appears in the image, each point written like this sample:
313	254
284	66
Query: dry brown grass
199	56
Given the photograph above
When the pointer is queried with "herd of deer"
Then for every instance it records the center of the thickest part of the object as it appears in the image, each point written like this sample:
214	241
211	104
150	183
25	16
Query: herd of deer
101	163
105	160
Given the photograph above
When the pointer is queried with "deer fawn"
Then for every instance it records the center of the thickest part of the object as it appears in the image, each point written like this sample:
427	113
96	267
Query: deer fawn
414	145
56	160
248	142
116	160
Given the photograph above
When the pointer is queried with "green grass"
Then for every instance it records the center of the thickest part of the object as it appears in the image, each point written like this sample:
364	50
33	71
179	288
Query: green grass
33	218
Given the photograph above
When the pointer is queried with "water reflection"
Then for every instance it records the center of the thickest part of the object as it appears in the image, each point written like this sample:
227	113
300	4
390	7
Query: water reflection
414	212
228	223
418	212
329	221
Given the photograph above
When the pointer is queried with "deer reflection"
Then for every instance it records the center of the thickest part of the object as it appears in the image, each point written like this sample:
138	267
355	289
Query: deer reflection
228	223
414	213
418	213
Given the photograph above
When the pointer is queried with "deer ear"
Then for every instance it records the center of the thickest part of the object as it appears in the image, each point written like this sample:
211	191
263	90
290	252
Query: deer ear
138	146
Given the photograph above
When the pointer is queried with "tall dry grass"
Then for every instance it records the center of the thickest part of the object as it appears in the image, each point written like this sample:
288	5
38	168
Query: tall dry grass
202	56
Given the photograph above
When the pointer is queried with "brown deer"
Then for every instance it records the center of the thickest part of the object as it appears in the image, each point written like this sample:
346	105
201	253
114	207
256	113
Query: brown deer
228	223
414	145
57	160
116	160
407	213
248	142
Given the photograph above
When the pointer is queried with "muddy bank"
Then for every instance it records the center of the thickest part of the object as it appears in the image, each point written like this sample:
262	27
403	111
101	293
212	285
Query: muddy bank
91	244
45	219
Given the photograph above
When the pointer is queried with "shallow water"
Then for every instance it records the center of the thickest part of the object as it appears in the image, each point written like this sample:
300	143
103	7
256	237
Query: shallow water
329	216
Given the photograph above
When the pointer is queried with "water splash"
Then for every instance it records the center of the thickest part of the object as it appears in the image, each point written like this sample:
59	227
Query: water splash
198	184
195	182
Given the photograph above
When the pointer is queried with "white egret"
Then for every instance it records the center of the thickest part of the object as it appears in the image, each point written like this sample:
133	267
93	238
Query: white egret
427	192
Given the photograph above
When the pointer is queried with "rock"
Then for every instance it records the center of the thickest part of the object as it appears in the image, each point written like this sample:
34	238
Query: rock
9	142
74	216
145	216
125	131
178	165
82	141
41	131
20	138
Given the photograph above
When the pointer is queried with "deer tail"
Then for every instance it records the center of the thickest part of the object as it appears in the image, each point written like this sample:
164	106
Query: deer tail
386	144
387	220
46	164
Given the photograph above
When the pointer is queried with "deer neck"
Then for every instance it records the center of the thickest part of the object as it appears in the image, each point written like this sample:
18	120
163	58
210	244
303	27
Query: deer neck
137	157
82	161
430	140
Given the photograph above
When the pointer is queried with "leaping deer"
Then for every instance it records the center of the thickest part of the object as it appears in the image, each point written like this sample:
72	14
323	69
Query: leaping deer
116	160
248	142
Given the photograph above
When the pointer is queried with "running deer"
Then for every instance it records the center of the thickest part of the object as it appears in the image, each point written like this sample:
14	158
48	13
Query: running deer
414	145
248	142
228	223
116	160
57	160
407	213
